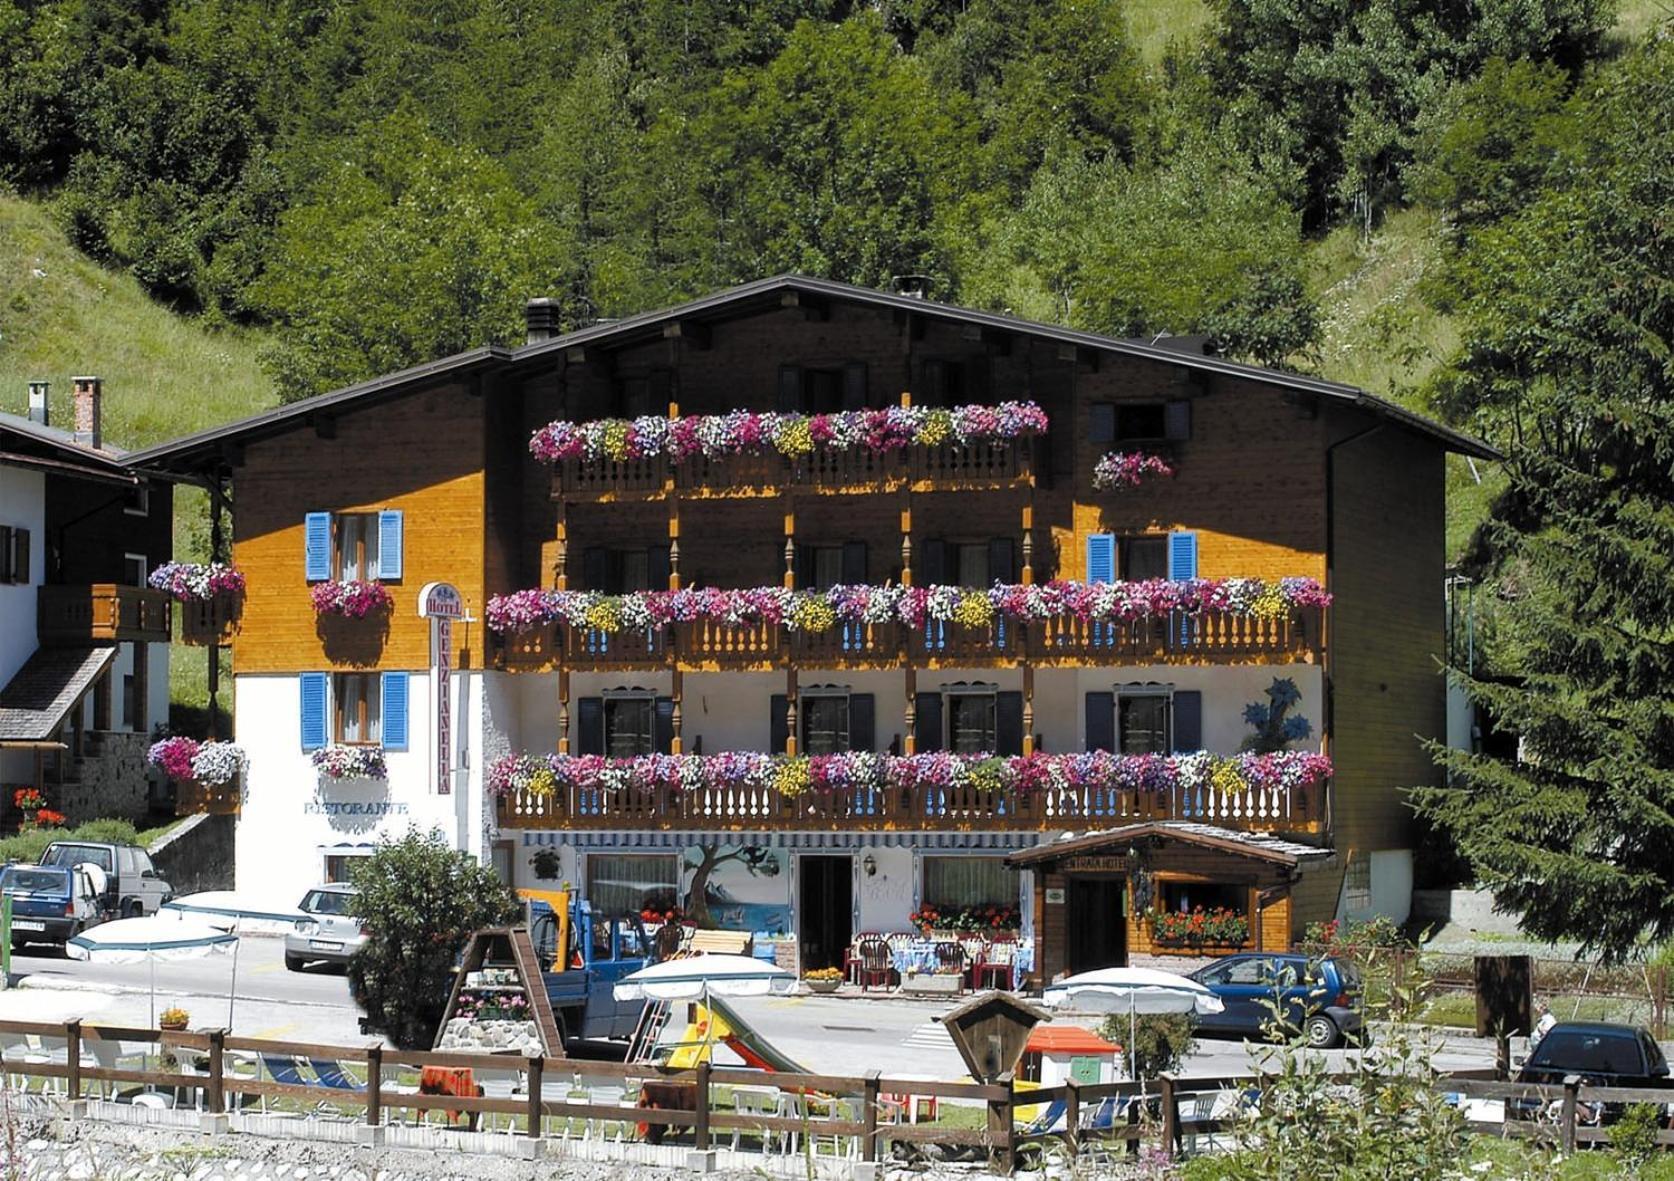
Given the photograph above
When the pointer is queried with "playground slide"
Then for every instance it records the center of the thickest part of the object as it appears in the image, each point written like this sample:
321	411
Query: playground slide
718	1023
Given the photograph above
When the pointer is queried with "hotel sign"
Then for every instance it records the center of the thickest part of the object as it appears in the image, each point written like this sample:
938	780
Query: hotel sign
441	603
1107	864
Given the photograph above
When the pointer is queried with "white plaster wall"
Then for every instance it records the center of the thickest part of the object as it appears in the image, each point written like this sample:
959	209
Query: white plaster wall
1226	691
291	815
22	506
888	897
157	687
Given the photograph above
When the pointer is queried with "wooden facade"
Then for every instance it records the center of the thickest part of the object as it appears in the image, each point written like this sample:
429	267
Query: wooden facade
1276	477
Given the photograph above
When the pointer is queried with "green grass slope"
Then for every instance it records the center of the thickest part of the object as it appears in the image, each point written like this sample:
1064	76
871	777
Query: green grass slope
61	314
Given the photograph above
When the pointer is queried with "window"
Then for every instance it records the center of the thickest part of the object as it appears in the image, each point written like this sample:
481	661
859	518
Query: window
1144	558
357	546
357	707
1139	422
971	722
1588	1052
825	567
629	883
1357	882
1144	721
1180	897
136	502
135	689
337	867
825	722
629	721
951	882
621	571
14	554
822	391
970	563
134	570
1246	971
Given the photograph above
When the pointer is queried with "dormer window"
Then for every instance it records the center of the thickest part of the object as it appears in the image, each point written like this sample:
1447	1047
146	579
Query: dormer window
1139	423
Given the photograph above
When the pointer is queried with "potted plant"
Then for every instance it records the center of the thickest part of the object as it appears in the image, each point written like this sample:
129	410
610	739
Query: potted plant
174	1018
28	801
353	599
823	980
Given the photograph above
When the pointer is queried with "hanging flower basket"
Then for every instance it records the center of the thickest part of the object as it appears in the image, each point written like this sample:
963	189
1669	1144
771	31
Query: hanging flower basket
186	760
1129	469
351	762
197	582
353	599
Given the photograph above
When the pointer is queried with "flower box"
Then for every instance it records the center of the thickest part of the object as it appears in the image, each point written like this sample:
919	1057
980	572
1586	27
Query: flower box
354	599
212	621
933	983
823	987
1121	470
350	762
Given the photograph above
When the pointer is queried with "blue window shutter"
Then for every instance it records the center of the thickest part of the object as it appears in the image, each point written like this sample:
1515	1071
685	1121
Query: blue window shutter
1101	557
1101	721
1177	420
395	711
313	687
1188	721
316	546
1182	556
389	545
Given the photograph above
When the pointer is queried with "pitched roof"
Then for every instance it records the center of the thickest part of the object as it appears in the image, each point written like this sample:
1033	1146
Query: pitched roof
1259	845
35	701
57	450
763	294
1067	1039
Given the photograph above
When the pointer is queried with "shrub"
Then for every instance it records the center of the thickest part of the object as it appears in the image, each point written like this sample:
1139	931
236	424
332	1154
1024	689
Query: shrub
1355	938
28	846
420	899
1634	1138
1160	1042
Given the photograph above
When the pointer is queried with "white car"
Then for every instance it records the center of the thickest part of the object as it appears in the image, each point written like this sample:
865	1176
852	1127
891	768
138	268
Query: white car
328	932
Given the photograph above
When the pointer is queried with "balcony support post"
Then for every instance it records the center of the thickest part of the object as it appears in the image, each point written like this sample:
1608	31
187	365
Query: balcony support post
560	549
906	536
909	742
673	541
790	545
1027	574
790	710
677	743
1028	706
563	709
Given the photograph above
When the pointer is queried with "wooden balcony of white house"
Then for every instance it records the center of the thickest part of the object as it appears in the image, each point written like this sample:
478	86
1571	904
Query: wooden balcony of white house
914	809
102	612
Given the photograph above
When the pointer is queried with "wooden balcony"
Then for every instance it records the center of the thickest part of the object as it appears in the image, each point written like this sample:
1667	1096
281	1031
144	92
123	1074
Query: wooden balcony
194	797
210	621
746	809
1065	641
944	468
102	612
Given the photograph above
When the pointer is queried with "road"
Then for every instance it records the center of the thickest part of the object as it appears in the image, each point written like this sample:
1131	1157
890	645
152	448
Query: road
839	1035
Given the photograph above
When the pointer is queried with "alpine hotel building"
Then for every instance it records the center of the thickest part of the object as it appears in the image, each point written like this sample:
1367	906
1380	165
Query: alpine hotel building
938	536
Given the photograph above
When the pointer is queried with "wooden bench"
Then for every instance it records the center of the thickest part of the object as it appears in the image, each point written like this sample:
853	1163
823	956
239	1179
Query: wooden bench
720	942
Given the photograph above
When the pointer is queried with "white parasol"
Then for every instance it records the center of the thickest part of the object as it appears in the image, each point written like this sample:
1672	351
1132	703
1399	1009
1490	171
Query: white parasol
154	937
1132	991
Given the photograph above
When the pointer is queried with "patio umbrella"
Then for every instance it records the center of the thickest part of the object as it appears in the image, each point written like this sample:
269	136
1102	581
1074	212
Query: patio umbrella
1133	991
701	976
154	937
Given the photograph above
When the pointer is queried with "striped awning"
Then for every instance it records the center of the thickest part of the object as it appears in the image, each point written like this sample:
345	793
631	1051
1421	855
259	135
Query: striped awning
644	839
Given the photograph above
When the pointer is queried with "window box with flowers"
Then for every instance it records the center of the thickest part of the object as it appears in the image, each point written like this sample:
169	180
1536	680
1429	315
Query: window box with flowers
1119	471
1199	928
340	761
211	598
352	599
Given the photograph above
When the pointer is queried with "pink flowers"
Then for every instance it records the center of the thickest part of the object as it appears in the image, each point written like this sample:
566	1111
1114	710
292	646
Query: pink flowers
744	432
350	762
860	771
197	582
185	760
1128	469
354	599
813	611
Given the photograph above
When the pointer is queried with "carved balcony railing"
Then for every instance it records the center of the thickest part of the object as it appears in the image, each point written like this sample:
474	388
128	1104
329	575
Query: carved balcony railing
753	808
1209	637
945	467
102	612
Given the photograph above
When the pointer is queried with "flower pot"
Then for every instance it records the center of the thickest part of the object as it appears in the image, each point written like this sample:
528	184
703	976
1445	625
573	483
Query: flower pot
172	1026
823	986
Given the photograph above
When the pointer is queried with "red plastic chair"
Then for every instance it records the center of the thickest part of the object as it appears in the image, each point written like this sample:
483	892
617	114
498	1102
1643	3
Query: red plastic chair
996	964
851	958
877	968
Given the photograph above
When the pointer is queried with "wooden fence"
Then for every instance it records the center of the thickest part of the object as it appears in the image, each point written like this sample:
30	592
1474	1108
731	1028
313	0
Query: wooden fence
687	1099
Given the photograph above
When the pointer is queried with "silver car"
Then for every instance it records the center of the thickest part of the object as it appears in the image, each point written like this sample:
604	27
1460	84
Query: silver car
328	932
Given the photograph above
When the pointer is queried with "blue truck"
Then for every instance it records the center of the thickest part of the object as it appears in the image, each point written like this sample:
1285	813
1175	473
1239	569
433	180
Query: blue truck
583	953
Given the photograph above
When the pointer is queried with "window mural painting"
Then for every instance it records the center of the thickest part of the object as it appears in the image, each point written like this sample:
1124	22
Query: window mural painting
736	888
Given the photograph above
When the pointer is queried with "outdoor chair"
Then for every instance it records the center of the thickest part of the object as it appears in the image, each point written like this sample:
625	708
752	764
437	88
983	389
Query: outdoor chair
835	1144
876	965
976	947
995	965
950	960
331	1074
748	1101
1199	1107
851	958
285	1071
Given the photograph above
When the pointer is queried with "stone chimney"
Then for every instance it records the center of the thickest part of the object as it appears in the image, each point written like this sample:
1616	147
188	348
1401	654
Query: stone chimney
38	411
88	396
541	318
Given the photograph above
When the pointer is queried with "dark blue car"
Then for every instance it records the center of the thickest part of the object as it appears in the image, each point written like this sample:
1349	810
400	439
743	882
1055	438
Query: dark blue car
1320	997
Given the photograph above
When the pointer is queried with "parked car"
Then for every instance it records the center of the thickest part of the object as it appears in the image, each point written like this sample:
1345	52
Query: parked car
328	932
1603	1054
132	885
52	903
1321	997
